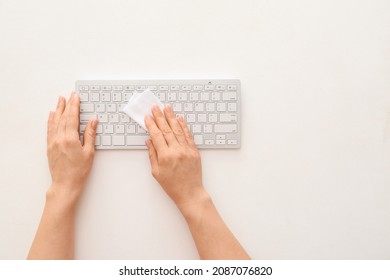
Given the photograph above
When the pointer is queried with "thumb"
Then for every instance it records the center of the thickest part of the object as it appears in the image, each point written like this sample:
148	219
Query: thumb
90	134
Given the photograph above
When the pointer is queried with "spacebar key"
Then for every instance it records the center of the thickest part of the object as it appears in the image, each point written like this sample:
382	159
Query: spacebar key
136	140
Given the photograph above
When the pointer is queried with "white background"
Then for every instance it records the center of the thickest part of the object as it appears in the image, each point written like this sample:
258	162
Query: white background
310	179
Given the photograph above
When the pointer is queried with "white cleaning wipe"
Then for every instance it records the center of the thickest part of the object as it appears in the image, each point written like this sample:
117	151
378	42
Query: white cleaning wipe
140	105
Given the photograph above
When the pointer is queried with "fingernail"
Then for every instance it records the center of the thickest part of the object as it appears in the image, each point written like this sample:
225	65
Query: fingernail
168	107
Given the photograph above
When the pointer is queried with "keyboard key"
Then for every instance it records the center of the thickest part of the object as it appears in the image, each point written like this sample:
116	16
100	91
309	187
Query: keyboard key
175	87
123	118
196	128
220	87
177	107
229	95
111	108
106	88
118	140
140	130
103	118
183	96
215	96
202	118
228	117
127	96
199	107
232	107
207	128
140	88
87	117
105	96
225	128
221	142
130	128
210	107
220	136
231	87
186	87
129	88
232	142
95	96
117	96
163	87
97	140
209	87
99	129
221	107
100	107
106	140
152	88
213	118
188	107
121	106
83	88
117	88
194	96
205	96
87	108
97	88
119	128
83	96
209	142
190	118
113	118
108	128
172	96
198	87
161	96
82	128
136	140
198	139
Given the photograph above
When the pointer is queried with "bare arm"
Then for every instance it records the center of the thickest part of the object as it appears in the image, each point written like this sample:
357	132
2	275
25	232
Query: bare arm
176	165
69	163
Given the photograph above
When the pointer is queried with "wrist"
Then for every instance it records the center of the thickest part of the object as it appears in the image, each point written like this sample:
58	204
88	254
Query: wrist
193	208
63	196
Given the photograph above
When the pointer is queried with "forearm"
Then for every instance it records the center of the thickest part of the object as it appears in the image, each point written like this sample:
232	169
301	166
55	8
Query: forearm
55	235
212	237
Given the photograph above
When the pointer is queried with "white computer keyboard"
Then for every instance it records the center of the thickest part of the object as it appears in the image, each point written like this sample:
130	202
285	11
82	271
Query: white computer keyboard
210	107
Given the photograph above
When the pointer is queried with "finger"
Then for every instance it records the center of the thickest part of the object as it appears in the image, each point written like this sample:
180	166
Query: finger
73	115
90	135
175	126
152	156
58	113
187	132
156	135
163	126
50	131
64	118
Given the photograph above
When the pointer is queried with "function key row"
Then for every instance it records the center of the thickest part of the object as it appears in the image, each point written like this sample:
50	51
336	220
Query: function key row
84	88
